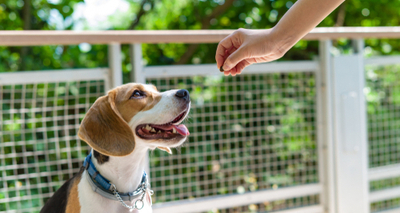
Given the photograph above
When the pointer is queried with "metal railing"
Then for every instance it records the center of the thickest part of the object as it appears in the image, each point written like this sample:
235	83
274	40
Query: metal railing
284	136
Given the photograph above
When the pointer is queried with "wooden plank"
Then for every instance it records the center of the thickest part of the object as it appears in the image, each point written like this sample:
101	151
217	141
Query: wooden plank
324	33
28	38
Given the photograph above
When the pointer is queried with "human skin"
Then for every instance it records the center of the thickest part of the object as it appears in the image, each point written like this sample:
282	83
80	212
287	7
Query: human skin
244	47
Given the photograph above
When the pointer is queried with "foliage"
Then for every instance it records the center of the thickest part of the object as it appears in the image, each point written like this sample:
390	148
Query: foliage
172	14
287	115
256	129
38	138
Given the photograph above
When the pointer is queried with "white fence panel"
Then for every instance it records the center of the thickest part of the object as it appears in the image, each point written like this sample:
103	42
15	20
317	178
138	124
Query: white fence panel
240	151
250	133
40	114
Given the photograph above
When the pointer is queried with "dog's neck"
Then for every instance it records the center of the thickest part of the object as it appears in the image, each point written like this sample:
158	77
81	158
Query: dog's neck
125	172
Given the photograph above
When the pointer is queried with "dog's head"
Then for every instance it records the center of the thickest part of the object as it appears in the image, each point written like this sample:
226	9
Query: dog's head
136	113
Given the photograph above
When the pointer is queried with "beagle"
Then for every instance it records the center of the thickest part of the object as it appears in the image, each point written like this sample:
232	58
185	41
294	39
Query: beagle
120	127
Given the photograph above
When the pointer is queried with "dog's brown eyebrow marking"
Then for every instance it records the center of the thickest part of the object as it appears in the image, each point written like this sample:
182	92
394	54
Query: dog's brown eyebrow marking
129	108
138	87
155	88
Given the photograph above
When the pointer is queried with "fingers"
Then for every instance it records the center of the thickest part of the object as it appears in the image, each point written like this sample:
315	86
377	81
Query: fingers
238	68
231	53
233	59
221	53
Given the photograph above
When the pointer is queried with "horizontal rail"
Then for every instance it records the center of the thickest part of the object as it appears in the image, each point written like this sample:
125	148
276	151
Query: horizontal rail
384	194
307	209
27	38
211	69
29	197
32	77
382	60
325	33
384	172
394	210
225	201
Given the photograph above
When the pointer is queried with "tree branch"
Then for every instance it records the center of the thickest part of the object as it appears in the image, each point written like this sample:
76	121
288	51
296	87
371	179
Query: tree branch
205	24
341	15
27	13
141	12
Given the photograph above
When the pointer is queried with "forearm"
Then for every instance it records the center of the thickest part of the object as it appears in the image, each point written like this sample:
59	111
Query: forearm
301	18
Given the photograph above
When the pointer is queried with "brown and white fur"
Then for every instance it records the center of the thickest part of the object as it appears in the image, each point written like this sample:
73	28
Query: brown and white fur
112	127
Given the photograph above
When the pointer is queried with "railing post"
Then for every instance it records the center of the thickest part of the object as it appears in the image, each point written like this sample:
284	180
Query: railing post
115	64
358	46
346	113
342	130
137	74
326	166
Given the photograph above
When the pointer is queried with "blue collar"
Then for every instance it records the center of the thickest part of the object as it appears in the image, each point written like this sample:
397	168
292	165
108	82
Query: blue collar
105	188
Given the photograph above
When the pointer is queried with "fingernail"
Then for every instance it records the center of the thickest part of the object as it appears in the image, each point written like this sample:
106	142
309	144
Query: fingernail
221	69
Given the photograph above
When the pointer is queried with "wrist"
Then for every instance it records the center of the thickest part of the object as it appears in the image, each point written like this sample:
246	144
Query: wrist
282	40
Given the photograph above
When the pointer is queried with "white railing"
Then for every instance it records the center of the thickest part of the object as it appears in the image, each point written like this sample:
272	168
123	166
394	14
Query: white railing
341	120
26	38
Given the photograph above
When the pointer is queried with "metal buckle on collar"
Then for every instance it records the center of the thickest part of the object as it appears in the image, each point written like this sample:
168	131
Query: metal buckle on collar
139	204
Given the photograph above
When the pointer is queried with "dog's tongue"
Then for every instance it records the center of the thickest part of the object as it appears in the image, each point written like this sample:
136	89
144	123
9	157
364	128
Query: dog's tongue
181	129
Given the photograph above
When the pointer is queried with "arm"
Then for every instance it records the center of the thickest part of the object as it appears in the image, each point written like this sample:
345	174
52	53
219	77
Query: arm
245	47
301	18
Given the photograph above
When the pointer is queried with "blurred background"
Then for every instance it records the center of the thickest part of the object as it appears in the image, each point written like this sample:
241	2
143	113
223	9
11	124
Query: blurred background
257	131
169	14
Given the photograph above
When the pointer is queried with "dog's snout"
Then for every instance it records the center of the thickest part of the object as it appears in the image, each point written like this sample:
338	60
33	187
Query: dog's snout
184	94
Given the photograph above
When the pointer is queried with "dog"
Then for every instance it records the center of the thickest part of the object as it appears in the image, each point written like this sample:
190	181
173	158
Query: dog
120	128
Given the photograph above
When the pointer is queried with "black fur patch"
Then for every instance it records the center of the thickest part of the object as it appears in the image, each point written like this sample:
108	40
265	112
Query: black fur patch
58	202
100	157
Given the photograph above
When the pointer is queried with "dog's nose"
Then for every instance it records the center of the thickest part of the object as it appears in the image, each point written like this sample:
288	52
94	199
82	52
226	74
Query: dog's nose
184	94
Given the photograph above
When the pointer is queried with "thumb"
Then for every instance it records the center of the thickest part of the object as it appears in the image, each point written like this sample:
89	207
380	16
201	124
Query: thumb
234	59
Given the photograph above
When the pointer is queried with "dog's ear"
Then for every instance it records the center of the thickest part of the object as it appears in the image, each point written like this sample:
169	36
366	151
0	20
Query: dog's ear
104	129
167	149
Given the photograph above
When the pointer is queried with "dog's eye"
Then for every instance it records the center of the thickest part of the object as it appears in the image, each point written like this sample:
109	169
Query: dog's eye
137	94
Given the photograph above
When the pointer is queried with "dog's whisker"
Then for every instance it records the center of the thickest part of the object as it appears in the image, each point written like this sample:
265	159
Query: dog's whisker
188	119
183	145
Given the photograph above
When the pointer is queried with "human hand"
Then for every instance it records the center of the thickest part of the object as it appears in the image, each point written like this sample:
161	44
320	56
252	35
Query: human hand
244	47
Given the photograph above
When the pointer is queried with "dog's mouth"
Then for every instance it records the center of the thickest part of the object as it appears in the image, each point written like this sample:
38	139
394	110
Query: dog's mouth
170	130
